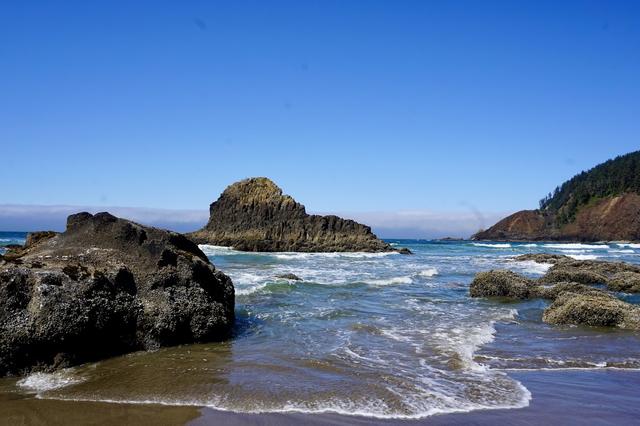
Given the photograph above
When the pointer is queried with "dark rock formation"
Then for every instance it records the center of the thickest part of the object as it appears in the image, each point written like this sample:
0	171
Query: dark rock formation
602	204
292	277
254	215
106	286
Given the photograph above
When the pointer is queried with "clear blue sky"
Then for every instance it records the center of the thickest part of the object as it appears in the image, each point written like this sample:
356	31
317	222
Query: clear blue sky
348	105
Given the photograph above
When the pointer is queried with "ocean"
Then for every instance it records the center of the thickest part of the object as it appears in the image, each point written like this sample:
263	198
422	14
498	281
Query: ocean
382	335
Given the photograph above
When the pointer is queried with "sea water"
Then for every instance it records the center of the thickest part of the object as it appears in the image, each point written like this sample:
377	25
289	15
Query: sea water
376	334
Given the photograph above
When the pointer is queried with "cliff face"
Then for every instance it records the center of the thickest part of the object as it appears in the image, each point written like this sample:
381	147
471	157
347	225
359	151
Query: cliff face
614	218
254	215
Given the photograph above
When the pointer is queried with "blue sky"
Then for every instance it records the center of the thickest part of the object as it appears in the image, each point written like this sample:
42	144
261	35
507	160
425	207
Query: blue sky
350	106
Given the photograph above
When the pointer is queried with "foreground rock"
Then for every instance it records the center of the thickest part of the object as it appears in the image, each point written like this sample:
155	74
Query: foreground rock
573	303
254	215
106	286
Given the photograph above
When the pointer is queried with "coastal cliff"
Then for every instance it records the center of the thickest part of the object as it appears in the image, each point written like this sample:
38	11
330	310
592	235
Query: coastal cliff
254	215
602	204
103	287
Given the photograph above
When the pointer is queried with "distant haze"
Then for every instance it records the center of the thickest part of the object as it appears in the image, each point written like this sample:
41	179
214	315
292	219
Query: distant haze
401	224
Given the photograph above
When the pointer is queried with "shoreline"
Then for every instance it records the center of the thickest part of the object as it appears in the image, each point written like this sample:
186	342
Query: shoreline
604	396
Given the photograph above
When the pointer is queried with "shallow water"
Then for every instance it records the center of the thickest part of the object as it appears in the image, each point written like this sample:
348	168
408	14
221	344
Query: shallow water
381	335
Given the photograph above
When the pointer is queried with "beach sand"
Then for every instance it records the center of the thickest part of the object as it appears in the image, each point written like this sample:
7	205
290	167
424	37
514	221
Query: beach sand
600	397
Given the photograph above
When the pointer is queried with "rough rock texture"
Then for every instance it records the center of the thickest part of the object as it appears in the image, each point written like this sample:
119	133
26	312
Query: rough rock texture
501	283
552	292
254	215
573	303
600	310
617	276
106	286
626	281
607	219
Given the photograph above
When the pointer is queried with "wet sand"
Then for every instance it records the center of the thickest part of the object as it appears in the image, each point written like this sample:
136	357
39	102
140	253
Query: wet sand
602	397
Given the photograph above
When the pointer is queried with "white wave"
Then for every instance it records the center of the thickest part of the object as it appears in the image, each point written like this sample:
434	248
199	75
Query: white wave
630	245
533	267
506	245
429	272
243	291
390	281
577	246
529	245
576	251
211	250
584	256
42	382
371	408
628	251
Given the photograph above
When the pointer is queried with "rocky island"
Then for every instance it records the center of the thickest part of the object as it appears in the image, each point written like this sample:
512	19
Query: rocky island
104	287
602	204
254	215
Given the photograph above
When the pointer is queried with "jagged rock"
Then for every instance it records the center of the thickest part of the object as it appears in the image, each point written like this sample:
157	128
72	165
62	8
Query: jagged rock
293	277
107	286
254	215
501	283
599	310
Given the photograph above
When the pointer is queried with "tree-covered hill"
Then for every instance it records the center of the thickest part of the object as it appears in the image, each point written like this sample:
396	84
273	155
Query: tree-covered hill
611	178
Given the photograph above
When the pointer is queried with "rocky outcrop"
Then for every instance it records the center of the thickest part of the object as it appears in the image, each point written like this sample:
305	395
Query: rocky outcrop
106	286
254	215
569	285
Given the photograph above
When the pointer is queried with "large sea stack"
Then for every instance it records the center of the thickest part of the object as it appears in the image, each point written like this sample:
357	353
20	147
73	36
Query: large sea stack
104	287
602	204
254	215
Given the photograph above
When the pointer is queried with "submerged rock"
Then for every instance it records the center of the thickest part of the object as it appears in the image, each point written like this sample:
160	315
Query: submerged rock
501	283
292	277
599	310
254	215
103	287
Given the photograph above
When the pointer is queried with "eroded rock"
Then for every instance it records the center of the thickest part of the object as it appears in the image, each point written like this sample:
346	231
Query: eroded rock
107	286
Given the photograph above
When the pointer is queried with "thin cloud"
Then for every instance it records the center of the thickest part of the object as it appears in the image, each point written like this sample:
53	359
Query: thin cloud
400	224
